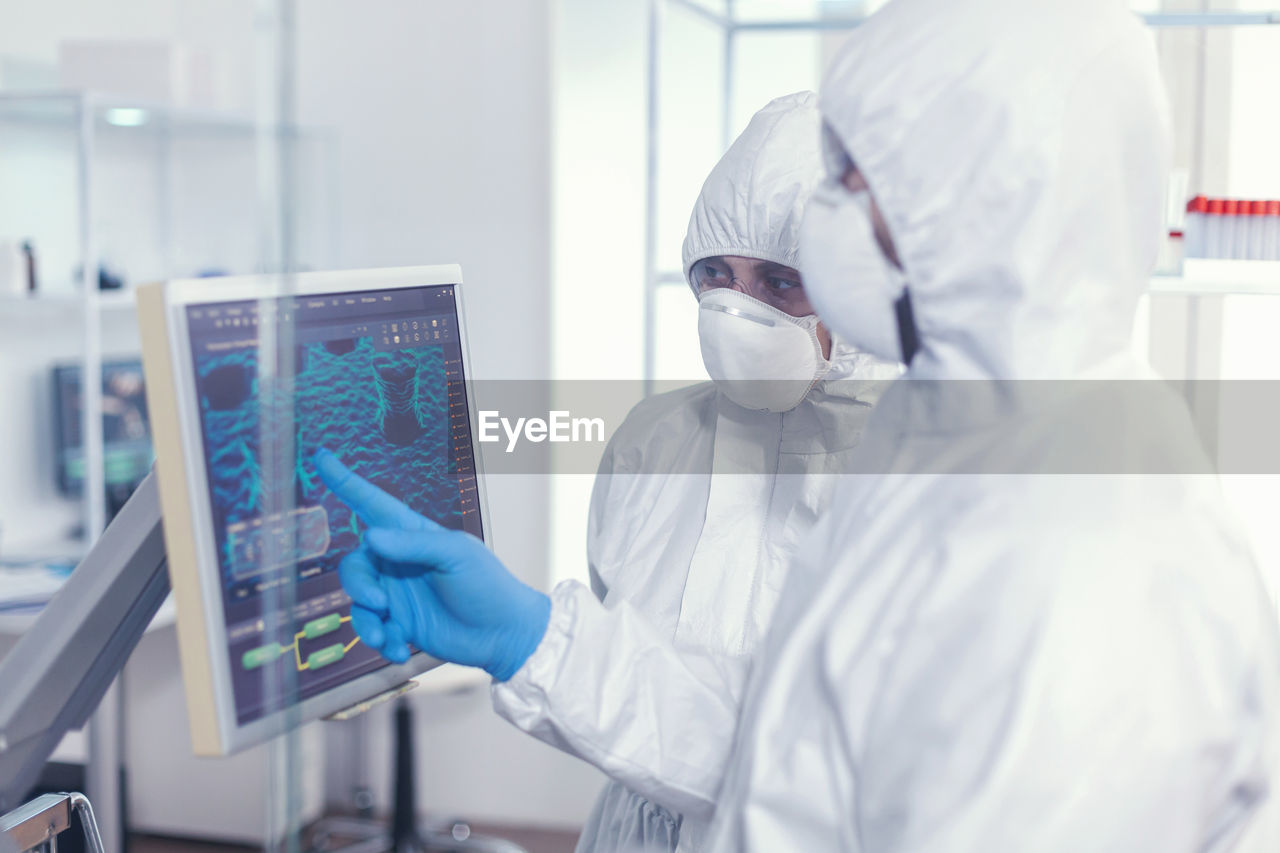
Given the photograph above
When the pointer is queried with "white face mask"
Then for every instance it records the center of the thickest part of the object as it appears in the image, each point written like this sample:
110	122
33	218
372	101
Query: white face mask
847	277
760	357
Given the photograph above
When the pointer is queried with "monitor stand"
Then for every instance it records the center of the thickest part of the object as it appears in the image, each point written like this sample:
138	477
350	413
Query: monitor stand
117	496
365	834
57	673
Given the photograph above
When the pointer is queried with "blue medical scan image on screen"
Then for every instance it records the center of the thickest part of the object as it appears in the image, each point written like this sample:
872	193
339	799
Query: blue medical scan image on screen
377	379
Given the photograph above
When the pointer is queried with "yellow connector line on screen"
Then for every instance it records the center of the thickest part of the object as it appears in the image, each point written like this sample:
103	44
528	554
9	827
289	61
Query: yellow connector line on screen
297	653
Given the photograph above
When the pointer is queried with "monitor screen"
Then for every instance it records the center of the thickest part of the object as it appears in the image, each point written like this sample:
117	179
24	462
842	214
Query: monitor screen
377	379
126	432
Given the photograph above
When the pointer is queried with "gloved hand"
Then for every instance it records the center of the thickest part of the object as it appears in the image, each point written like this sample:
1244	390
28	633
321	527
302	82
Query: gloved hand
413	581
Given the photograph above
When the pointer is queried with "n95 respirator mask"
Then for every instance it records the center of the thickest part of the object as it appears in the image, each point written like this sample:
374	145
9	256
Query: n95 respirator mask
855	289
759	357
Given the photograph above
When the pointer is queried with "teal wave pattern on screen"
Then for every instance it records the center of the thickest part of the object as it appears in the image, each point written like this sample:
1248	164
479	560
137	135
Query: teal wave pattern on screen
385	414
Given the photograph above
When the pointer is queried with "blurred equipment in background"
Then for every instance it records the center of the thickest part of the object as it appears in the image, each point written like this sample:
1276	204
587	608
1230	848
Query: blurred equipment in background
29	252
126	430
17	267
108	279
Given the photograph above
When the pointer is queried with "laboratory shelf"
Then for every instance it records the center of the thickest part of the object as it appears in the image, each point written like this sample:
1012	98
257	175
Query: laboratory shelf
740	19
1211	19
1155	20
62	300
1207	277
64	107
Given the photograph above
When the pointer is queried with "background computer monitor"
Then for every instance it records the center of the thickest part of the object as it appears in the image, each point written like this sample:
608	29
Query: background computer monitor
126	432
379	368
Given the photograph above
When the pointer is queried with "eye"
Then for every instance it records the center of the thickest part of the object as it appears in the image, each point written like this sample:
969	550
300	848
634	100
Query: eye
783	284
710	275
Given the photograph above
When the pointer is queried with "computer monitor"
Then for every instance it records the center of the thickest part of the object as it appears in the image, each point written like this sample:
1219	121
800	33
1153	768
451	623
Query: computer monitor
126	431
378	363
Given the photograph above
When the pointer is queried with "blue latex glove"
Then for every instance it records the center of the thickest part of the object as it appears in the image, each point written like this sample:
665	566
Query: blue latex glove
415	582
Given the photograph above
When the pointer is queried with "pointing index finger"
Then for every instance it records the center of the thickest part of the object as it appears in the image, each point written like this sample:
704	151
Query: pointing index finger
374	506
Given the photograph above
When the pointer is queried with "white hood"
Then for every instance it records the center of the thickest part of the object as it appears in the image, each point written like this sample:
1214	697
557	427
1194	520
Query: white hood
753	202
1025	206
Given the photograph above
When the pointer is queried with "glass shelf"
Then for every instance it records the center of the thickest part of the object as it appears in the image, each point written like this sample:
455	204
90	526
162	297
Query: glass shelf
60	107
110	300
1207	277
1211	19
819	15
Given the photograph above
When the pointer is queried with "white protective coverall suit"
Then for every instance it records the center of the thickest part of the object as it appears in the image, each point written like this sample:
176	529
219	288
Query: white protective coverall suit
983	649
682	556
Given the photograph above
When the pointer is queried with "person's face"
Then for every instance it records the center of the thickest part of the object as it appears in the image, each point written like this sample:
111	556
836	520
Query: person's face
771	283
854	182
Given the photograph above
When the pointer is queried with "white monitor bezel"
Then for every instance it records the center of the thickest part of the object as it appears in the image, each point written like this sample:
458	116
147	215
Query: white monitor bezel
179	295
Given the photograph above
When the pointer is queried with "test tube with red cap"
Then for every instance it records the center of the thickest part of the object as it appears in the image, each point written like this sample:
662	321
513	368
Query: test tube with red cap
1194	242
1257	230
1271	243
1213	229
1231	228
1244	233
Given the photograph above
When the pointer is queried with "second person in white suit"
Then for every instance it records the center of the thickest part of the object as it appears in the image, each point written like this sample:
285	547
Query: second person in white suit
704	492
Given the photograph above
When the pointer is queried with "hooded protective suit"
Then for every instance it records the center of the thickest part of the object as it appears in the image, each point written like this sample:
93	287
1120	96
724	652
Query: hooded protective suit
683	557
967	661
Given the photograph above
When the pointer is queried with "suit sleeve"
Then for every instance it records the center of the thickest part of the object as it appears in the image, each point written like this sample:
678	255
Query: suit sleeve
605	687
